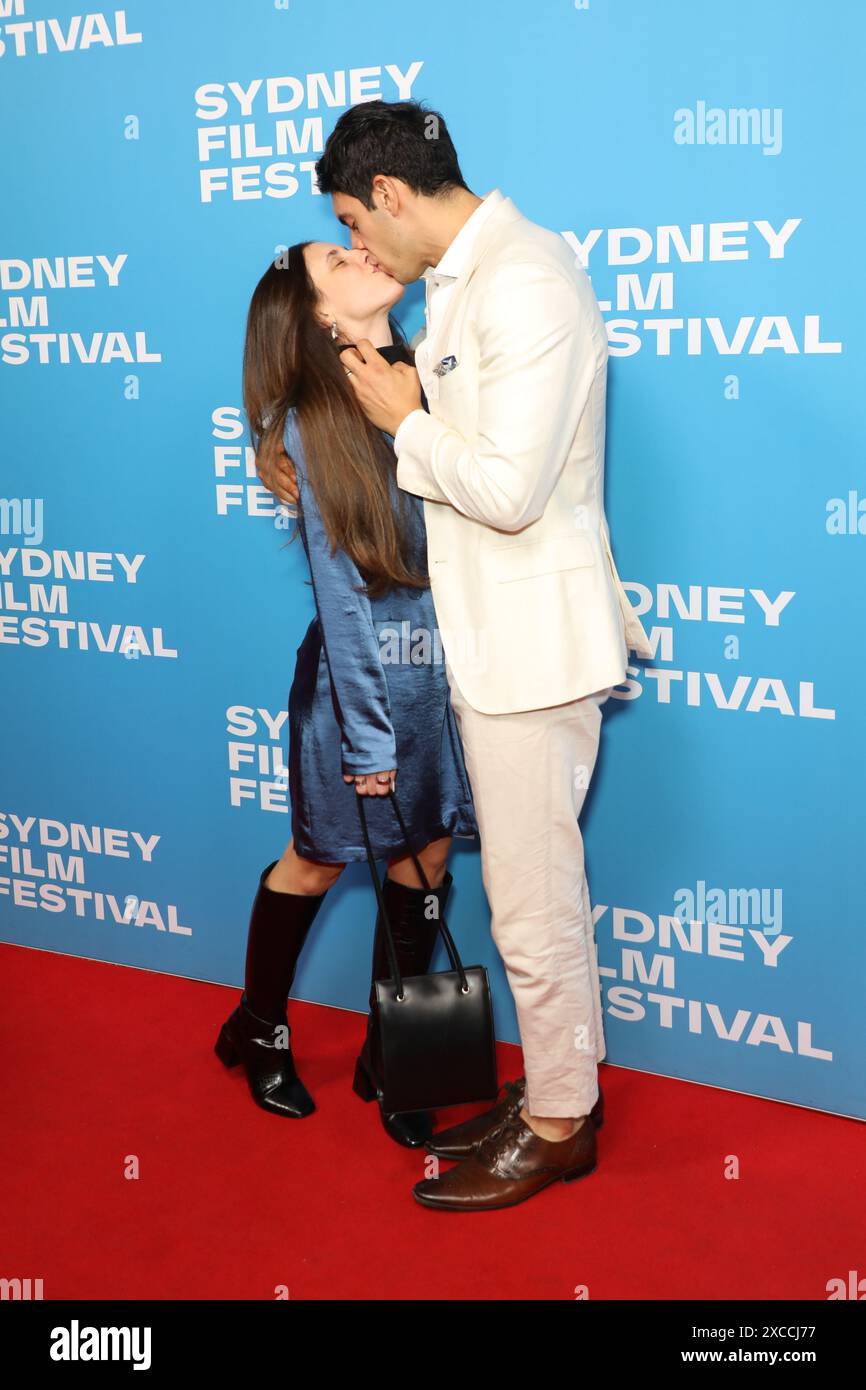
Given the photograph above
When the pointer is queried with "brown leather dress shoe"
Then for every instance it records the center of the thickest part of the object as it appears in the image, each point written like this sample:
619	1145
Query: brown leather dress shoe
463	1139
511	1164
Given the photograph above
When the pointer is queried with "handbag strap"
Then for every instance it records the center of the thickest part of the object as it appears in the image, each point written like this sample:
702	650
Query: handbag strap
450	944
453	953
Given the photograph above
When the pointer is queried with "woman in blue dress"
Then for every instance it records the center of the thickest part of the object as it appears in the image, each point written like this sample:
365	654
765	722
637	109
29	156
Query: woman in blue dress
369	705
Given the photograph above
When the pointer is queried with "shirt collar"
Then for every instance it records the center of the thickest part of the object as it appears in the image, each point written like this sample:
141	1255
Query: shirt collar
457	255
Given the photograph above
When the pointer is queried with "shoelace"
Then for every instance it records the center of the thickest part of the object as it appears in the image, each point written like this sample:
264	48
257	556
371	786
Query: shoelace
508	1127
514	1100
515	1092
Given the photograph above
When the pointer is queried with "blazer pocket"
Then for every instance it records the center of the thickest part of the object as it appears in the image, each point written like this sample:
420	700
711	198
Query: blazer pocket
527	559
451	384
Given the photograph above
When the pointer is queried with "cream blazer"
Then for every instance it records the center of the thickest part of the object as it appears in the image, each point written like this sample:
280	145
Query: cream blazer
510	459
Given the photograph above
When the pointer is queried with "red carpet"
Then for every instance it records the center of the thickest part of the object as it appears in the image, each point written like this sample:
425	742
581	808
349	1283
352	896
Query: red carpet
104	1066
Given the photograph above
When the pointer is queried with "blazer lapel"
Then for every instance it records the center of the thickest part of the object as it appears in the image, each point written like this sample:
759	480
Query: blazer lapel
437	342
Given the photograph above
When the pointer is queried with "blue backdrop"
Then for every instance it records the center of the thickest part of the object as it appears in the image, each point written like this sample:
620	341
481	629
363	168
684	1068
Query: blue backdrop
706	167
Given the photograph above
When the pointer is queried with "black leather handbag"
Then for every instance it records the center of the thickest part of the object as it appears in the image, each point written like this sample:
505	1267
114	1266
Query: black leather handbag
438	1046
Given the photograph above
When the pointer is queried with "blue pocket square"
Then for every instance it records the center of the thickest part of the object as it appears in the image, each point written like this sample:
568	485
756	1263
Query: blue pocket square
446	365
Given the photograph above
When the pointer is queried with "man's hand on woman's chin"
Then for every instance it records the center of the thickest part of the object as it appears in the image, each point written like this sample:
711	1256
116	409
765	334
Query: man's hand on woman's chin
280	479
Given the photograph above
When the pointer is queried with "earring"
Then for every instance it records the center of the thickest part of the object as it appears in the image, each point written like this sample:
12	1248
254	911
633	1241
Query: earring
333	328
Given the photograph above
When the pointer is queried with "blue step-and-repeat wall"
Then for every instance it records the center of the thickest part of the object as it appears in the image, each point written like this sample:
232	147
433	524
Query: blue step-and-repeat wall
705	163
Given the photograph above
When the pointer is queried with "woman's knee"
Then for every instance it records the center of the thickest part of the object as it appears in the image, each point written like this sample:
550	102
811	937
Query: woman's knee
317	878
298	875
433	858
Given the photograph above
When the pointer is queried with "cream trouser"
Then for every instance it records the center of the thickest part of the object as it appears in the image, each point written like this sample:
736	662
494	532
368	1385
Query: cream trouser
529	773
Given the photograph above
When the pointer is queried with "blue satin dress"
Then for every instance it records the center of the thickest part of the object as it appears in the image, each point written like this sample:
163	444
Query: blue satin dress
370	692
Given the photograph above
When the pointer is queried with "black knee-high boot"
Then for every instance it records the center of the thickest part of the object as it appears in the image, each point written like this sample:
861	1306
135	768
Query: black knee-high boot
258	1033
415	937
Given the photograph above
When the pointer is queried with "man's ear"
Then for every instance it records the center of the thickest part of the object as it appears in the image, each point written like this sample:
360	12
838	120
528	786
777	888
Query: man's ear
387	193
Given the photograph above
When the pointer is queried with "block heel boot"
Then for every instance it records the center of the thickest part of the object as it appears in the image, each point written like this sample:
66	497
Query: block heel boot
415	938
257	1034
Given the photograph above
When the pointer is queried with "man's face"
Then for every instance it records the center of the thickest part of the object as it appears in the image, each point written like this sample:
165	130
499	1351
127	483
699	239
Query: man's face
377	232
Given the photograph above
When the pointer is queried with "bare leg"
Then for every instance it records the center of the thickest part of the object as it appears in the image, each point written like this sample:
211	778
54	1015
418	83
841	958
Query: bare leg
551	1126
292	874
433	858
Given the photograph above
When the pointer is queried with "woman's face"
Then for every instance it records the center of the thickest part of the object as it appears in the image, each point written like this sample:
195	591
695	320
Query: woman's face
350	285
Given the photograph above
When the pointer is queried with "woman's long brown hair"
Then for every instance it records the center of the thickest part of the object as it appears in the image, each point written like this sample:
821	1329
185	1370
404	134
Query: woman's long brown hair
291	360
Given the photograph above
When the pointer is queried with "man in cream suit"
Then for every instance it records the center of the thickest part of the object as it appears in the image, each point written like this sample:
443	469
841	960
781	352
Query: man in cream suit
535	624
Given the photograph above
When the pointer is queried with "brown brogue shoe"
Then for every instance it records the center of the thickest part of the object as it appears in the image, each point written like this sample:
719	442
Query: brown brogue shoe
460	1140
511	1164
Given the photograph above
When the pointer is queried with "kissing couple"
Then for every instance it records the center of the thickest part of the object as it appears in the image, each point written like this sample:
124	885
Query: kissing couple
458	487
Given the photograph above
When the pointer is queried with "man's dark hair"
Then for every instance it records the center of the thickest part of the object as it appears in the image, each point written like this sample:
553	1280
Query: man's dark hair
400	138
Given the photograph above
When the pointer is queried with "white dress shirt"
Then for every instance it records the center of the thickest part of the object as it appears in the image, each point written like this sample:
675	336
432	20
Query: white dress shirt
440	278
